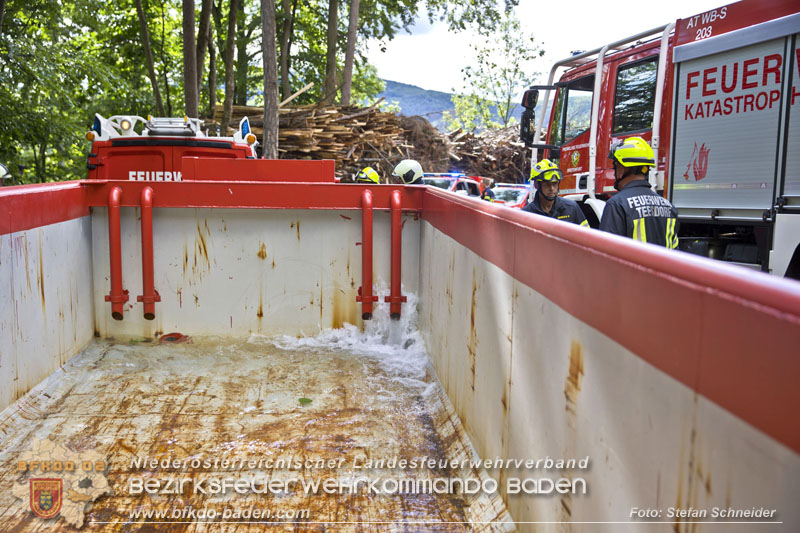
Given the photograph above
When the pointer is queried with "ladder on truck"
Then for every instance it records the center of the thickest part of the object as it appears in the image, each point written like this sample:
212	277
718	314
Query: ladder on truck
598	56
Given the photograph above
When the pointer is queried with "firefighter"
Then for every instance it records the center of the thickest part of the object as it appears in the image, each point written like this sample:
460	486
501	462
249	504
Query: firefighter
488	193
636	210
546	178
408	172
368	175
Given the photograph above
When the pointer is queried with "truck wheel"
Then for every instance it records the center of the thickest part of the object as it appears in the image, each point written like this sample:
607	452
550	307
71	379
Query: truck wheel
591	217
793	270
593	210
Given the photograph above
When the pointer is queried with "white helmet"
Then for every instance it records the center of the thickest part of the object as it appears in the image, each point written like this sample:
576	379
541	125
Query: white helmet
409	171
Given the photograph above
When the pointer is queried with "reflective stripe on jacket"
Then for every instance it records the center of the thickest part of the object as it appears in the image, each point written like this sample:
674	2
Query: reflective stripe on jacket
641	214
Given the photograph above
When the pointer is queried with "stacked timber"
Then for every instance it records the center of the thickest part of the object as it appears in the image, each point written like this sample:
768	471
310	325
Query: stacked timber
352	136
497	153
426	144
358	137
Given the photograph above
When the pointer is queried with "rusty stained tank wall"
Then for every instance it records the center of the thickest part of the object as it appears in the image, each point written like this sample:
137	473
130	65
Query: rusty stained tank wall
46	305
235	272
529	380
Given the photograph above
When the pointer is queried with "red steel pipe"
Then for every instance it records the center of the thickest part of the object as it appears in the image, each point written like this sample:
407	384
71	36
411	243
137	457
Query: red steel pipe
149	295
118	296
365	291
395	299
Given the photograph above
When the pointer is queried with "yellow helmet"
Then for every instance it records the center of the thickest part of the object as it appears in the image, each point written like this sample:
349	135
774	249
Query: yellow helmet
368	175
545	170
633	152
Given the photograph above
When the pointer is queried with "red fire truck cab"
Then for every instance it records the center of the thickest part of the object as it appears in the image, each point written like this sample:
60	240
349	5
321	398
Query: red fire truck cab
716	95
126	147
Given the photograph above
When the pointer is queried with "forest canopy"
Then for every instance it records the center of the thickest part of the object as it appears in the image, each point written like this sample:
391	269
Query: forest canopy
63	61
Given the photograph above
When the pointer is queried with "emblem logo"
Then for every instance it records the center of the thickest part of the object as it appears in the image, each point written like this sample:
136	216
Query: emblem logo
698	163
46	496
576	158
74	480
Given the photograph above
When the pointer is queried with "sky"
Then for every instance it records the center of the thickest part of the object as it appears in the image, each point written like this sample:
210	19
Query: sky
560	25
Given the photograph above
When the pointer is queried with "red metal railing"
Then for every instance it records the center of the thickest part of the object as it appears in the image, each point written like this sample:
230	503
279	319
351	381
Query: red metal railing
117	296
395	299
365	291
149	294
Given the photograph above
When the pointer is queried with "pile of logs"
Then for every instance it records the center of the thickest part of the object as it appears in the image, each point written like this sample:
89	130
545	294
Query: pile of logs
358	137
498	154
352	136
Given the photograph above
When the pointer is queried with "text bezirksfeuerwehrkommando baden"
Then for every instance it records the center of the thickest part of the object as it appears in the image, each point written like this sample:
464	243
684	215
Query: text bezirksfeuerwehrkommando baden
397	478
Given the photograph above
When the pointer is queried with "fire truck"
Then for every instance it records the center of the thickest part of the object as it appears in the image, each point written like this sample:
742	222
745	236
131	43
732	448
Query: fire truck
130	147
717	96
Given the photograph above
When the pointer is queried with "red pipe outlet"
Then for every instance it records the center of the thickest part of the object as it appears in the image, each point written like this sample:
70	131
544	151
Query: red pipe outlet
365	291
395	299
117	296
150	295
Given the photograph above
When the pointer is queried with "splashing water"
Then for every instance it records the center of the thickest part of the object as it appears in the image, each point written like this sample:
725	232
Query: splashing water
395	344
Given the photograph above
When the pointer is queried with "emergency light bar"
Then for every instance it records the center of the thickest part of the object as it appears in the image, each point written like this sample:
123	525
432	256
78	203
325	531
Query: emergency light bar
116	126
172	127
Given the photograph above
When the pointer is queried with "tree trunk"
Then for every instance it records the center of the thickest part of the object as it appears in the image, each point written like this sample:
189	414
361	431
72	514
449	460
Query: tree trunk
189	60
240	83
216	13
350	52
329	85
148	55
203	38
288	22
39	161
2	10
164	60
212	73
230	41
270	141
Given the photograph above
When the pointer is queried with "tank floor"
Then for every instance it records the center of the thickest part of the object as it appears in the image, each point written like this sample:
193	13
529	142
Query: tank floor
216	400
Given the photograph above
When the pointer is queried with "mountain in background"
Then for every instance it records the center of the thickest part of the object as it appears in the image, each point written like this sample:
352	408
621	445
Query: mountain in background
415	100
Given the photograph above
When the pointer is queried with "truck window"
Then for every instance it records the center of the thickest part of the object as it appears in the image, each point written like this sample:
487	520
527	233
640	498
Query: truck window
635	96
573	112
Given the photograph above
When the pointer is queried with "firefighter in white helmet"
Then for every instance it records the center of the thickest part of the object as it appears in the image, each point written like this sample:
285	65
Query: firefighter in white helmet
408	172
545	180
636	211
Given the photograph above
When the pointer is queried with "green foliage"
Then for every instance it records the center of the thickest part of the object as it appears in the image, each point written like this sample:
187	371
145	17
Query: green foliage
366	83
62	62
390	107
480	14
45	80
470	112
501	71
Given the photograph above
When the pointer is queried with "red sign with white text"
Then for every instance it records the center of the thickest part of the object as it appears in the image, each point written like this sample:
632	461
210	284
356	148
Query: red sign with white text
731	17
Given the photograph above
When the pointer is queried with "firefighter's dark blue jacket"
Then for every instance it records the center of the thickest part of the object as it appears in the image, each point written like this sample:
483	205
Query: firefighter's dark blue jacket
638	212
563	209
